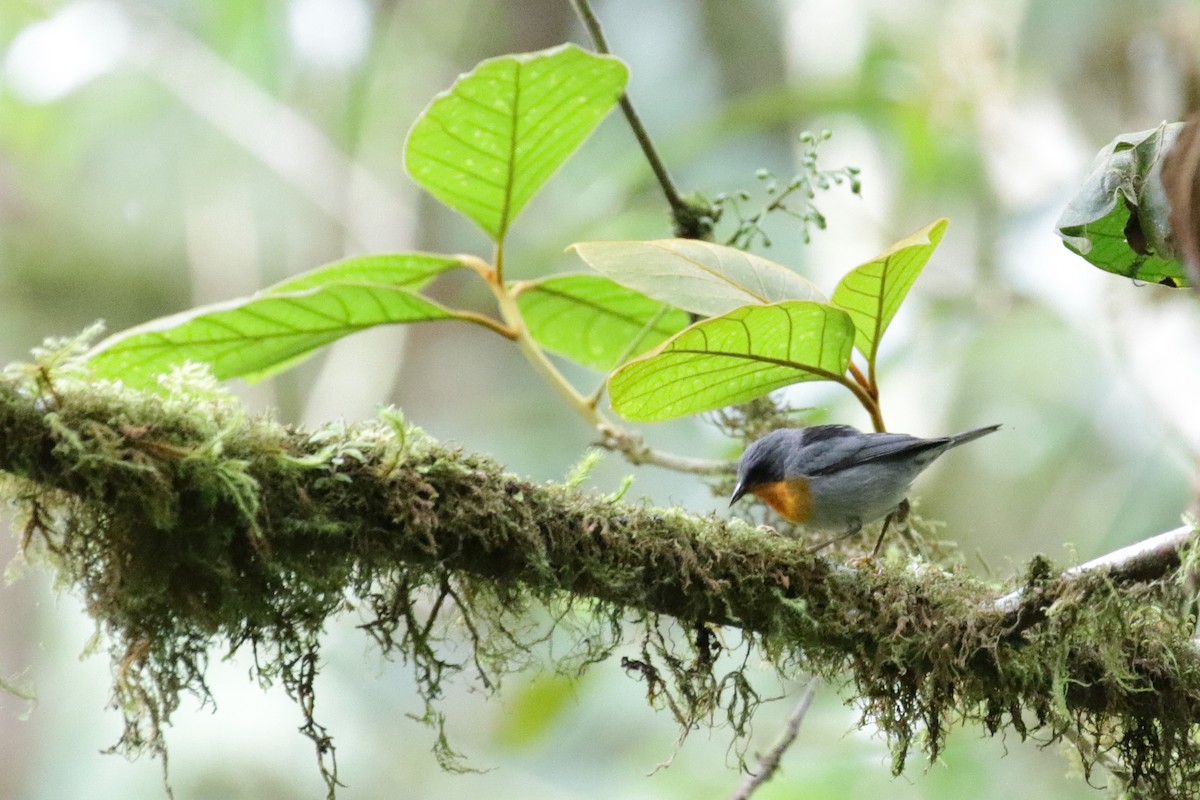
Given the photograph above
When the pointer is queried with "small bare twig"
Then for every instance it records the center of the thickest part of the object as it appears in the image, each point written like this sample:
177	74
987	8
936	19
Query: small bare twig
636	452
768	763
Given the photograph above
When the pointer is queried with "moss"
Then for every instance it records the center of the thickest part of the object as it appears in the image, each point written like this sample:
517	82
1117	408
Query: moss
188	527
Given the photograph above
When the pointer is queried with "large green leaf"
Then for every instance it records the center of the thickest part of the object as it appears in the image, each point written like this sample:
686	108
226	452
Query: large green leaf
256	336
1119	218
734	358
872	292
594	321
485	146
700	277
400	270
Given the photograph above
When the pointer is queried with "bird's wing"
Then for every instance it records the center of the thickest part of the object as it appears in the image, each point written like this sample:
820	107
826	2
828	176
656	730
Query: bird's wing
839	452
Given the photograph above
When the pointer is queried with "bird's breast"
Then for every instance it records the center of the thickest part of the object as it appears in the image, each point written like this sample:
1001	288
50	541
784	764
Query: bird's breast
791	499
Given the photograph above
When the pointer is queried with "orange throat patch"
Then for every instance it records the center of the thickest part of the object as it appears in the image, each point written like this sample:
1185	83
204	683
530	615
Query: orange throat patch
791	499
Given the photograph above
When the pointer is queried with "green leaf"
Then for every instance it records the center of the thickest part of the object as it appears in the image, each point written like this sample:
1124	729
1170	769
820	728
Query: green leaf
872	292
256	336
734	358
1119	219
700	277
594	321
485	146
400	270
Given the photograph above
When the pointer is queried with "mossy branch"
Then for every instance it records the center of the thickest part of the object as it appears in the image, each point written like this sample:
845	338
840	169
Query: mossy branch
188	526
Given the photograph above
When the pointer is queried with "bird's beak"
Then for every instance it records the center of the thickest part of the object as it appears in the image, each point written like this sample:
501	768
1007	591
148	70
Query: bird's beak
738	491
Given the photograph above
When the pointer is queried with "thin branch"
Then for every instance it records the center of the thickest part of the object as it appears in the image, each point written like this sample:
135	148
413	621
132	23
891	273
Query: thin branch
630	445
679	209
506	299
768	763
1142	561
613	437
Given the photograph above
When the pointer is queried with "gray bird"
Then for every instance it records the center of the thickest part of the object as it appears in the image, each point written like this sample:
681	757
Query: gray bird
836	477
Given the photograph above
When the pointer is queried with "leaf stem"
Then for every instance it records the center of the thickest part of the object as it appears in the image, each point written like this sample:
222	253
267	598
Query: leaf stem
679	208
613	437
534	354
491	276
864	395
507	331
497	271
863	380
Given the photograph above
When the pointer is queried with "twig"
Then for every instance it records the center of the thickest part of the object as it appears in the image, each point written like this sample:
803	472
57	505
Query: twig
679	209
613	437
769	762
636	452
1141	561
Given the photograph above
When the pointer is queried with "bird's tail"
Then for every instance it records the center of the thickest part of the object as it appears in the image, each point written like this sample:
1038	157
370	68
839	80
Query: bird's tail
972	435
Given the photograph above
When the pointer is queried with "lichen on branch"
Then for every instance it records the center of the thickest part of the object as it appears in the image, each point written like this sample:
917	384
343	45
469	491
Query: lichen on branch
191	528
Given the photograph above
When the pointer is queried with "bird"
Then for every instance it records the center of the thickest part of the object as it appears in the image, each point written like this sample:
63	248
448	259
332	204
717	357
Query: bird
835	477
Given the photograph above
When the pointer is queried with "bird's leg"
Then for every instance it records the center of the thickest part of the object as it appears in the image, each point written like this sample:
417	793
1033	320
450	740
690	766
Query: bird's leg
907	531
882	532
855	527
899	514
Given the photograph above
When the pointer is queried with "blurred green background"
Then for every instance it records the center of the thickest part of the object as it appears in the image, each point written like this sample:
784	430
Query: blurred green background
159	155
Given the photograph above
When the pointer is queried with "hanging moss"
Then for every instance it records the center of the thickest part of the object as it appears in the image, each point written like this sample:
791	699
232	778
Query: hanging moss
189	527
